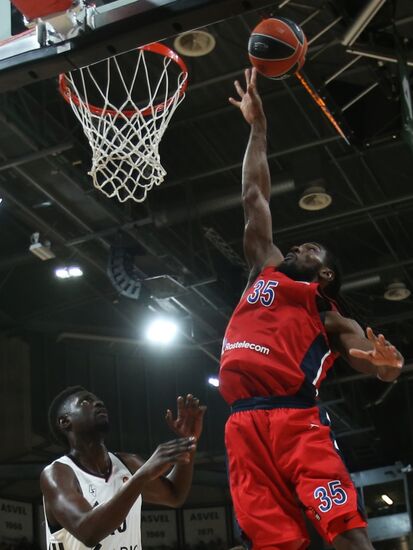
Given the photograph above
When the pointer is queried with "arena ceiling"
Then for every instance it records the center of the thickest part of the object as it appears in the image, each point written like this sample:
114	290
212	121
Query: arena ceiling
189	230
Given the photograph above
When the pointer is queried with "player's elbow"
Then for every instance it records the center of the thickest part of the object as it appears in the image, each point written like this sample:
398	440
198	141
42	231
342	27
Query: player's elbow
177	502
87	536
251	195
176	499
89	541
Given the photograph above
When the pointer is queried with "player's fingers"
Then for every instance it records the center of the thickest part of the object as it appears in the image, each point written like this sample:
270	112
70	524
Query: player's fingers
370	334
183	458
189	400
181	441
247	73
180	403
234	102
239	89
254	77
172	453
397	358
359	353
382	340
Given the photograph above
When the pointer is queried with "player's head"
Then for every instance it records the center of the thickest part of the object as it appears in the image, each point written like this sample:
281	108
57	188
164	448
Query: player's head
313	262
77	412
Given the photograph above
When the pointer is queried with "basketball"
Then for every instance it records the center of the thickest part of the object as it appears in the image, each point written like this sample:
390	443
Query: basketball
277	47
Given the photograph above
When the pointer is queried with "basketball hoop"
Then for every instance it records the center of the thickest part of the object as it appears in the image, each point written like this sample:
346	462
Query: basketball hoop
124	131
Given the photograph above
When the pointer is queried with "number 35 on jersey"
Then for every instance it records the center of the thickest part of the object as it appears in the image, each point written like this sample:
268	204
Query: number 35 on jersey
263	292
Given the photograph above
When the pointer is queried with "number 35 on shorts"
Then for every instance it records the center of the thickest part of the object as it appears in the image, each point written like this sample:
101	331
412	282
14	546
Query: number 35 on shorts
332	494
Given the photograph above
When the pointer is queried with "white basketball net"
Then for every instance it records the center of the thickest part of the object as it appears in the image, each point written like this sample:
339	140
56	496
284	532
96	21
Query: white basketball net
125	138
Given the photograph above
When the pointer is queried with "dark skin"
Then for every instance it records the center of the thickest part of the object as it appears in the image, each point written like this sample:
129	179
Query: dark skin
365	353
84	420
368	353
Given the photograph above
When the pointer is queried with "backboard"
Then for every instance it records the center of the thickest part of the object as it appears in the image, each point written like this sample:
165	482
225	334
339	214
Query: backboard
113	28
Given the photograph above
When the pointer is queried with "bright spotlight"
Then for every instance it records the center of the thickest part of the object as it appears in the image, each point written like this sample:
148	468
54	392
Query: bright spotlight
161	331
68	272
62	273
387	499
213	381
75	271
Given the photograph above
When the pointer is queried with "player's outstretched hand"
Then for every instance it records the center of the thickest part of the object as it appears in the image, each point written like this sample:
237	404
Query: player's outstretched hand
190	417
166	455
250	103
383	354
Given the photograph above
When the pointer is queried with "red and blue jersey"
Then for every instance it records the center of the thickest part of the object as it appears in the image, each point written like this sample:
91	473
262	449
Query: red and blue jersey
275	343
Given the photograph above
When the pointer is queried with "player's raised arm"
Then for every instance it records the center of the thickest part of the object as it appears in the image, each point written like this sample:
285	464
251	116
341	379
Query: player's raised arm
259	248
368	353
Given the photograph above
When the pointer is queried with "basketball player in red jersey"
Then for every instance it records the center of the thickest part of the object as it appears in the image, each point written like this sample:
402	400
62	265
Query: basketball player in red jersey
281	340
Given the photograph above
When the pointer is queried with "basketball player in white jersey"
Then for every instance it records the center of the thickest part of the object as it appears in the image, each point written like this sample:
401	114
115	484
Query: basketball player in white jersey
92	498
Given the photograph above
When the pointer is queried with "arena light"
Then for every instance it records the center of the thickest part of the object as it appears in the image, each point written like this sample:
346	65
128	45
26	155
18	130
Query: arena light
387	499
194	43
75	271
161	331
396	292
213	380
71	272
315	198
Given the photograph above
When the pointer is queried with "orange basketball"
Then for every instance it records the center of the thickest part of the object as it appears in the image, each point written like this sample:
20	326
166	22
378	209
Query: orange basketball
277	47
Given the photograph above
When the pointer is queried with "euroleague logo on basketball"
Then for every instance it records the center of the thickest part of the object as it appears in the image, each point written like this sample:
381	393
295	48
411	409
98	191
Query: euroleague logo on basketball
260	47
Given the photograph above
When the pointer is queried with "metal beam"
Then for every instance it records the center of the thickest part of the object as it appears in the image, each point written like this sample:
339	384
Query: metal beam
359	376
42	153
361	21
379	54
118	31
270	156
357	283
372	272
283	183
356	431
343	215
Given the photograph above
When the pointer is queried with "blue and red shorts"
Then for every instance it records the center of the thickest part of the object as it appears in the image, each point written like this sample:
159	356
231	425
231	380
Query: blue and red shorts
283	462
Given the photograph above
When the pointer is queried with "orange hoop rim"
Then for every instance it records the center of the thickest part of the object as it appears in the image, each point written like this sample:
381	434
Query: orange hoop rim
156	47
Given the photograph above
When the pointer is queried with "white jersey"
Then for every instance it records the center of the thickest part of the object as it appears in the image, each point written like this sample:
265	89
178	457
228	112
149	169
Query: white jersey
97	490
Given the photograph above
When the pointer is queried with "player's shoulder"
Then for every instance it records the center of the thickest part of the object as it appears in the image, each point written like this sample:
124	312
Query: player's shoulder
56	473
